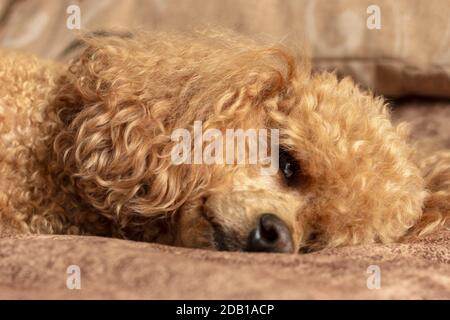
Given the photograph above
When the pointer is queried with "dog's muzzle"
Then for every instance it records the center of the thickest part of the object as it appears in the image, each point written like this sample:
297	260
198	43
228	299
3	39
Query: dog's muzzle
270	235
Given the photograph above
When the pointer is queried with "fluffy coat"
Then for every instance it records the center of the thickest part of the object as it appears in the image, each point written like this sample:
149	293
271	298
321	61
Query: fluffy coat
85	148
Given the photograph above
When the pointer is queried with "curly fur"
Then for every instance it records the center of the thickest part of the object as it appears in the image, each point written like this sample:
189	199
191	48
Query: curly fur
86	149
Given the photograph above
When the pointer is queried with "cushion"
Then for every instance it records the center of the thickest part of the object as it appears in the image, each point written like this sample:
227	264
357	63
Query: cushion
408	55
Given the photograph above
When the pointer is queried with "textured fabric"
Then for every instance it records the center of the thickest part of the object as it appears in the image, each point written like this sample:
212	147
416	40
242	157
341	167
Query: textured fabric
429	122
35	267
409	55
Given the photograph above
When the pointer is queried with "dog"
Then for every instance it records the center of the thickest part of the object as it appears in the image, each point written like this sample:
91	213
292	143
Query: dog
85	149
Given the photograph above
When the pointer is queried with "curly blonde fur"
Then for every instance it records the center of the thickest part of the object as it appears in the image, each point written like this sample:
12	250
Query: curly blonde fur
85	149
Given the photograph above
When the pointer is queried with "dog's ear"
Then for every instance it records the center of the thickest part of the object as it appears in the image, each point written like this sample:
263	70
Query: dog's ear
113	148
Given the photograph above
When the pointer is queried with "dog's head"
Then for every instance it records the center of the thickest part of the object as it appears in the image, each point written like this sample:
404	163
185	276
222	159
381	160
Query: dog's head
345	177
345	174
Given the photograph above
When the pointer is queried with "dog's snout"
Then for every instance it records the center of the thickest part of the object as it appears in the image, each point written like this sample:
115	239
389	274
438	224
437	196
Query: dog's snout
270	235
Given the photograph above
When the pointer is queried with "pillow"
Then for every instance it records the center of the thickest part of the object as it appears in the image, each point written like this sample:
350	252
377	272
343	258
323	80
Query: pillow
408	55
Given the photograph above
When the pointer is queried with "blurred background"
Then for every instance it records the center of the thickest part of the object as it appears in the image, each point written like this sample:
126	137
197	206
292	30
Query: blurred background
406	55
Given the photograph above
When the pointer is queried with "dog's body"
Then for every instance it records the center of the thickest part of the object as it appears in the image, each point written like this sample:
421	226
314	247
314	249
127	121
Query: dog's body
87	151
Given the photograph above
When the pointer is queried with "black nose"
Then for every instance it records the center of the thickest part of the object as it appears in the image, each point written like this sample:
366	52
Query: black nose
270	235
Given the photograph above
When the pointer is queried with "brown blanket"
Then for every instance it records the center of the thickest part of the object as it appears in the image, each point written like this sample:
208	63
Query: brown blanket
35	267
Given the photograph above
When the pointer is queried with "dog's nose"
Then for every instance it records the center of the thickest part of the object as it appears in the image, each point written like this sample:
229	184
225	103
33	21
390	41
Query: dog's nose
270	235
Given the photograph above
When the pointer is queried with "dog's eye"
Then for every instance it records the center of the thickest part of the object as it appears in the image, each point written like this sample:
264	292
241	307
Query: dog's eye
288	166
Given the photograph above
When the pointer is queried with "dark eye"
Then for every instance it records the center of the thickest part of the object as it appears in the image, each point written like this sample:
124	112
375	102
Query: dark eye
288	166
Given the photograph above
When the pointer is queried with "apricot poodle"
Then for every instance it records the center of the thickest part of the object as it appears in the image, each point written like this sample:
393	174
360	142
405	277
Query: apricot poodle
86	149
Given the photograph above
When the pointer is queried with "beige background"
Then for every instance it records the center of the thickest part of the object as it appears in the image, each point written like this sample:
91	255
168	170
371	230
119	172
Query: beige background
409	55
